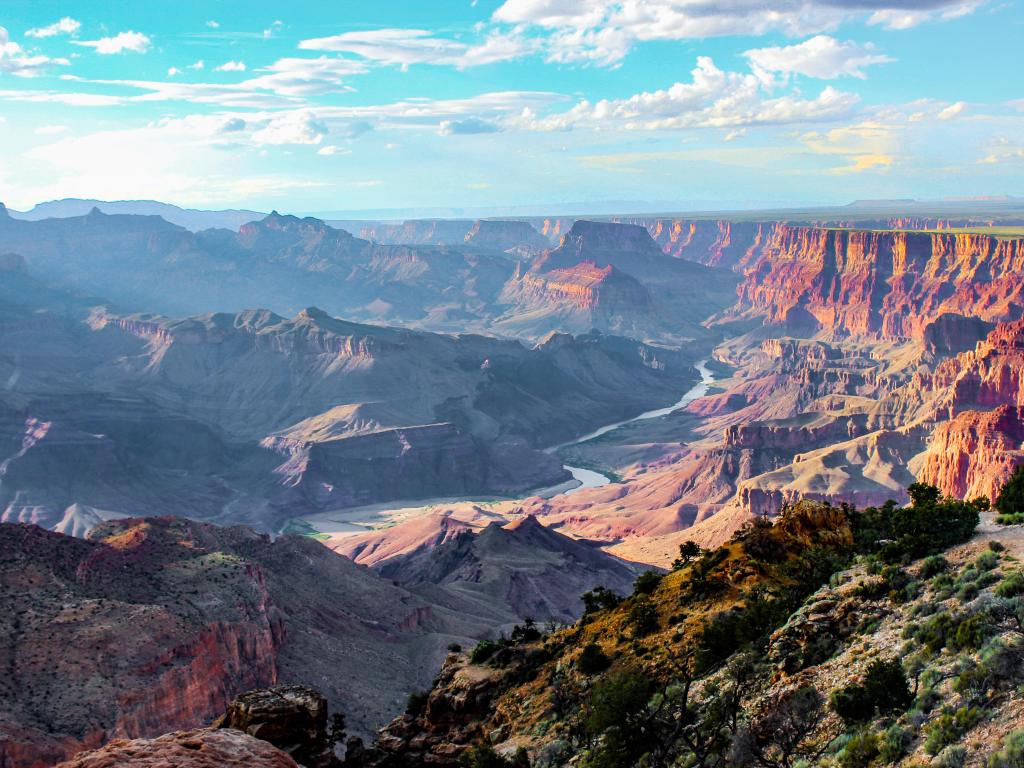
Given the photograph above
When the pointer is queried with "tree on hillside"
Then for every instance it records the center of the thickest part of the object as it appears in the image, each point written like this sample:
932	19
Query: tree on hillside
688	551
1010	500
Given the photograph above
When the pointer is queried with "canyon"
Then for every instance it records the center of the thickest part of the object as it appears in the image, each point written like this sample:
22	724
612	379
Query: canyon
288	453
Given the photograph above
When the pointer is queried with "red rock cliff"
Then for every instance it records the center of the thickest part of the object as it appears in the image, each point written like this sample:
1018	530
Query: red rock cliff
889	284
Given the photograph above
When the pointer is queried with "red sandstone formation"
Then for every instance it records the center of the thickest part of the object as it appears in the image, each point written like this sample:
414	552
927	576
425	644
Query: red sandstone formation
975	453
889	284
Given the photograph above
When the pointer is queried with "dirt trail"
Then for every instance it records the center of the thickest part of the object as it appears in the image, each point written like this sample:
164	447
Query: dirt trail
1010	536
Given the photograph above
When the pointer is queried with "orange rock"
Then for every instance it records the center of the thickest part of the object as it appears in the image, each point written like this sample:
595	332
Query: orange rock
204	748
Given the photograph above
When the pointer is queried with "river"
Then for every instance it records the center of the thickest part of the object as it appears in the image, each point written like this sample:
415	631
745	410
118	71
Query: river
588	478
360	519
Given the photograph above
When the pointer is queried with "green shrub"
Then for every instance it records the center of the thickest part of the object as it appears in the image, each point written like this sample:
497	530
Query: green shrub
949	728
894	744
1011	586
646	583
643	616
932	566
1011	755
592	660
986	561
483	650
932	634
1015	519
1010	500
928	525
971	633
484	756
615	714
859	751
885	690
954	756
688	551
416	703
599	599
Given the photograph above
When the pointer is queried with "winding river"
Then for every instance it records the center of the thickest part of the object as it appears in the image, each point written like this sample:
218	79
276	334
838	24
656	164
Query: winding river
360	519
588	478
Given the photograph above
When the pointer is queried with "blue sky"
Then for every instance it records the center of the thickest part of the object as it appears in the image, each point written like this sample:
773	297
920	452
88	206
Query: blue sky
314	106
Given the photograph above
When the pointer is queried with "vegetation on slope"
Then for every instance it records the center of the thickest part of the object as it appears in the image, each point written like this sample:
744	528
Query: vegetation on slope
827	637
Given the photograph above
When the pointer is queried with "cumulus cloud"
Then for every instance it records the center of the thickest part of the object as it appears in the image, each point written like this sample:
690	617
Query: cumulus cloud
231	66
403	47
953	110
712	99
821	56
173	72
129	41
213	24
14	60
66	26
604	31
296	127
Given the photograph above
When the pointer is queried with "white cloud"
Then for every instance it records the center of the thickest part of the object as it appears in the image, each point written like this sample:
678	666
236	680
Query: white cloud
466	127
403	47
200	64
821	56
295	127
907	17
62	97
212	24
865	146
331	149
1003	150
269	31
604	31
50	130
231	66
15	61
712	99
66	26
135	42
953	110
303	77
173	72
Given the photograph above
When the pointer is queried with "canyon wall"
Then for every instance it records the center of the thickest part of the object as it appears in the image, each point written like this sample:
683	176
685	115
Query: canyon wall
885	284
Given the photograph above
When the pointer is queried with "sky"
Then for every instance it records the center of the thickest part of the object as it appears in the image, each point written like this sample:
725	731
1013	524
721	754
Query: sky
351	105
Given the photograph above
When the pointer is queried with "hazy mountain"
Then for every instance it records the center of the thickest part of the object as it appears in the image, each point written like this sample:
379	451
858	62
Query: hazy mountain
190	218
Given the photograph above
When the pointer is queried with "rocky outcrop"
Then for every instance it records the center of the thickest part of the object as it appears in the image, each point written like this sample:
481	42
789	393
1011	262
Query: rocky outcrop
157	624
974	453
74	679
950	334
615	278
203	748
536	571
291	717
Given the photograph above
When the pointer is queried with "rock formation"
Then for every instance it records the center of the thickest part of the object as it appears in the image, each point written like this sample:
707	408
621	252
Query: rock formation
203	748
